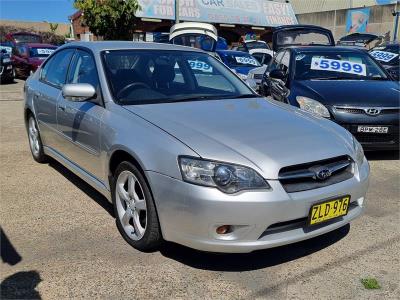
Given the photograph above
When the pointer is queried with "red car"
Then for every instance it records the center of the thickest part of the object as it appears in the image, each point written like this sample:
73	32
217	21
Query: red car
28	57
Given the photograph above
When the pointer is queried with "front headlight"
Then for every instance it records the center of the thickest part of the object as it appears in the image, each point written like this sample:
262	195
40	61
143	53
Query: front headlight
228	178
250	76
313	106
359	151
6	60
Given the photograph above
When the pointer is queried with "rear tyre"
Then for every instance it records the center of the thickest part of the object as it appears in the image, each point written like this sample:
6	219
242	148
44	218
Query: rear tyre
134	209
35	142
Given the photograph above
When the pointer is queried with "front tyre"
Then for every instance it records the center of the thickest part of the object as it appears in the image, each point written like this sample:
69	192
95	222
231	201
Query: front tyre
134	208
35	142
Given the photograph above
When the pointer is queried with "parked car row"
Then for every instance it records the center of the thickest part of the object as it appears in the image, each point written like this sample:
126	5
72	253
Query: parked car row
26	53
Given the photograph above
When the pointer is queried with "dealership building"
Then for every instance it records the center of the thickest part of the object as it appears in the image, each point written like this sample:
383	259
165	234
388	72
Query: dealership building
232	18
238	18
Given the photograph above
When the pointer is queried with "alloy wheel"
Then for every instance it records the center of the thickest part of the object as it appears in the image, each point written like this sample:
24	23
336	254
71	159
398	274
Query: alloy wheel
33	137
131	205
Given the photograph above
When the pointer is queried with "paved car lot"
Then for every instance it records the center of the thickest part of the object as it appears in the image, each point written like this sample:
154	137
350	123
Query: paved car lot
67	245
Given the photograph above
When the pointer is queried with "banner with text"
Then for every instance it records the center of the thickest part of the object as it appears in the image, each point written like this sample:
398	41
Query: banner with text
246	12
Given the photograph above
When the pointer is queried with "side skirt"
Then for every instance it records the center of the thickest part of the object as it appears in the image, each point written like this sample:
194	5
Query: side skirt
88	178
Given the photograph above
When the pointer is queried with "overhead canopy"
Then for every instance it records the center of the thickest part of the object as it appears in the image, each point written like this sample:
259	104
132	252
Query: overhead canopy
261	13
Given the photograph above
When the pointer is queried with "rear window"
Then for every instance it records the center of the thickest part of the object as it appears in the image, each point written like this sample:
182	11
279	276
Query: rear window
302	37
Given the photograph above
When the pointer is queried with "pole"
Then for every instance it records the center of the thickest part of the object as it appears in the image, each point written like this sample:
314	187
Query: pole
176	11
396	25
334	25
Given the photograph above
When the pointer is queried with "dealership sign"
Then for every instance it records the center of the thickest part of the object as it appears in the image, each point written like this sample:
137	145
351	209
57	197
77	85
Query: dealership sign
247	12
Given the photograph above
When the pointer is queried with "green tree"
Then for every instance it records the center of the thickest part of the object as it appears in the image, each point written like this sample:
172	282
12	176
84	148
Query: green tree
111	19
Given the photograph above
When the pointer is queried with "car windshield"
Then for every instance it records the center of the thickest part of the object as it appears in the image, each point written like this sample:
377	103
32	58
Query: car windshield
160	76
239	59
337	65
40	52
387	55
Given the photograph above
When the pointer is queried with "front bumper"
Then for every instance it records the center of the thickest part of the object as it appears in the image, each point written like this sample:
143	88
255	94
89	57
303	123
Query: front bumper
372	141
189	214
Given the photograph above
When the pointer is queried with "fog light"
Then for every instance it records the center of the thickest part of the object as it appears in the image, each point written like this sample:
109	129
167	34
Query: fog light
360	202
224	229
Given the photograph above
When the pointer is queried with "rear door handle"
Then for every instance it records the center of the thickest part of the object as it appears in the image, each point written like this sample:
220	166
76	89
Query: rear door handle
60	107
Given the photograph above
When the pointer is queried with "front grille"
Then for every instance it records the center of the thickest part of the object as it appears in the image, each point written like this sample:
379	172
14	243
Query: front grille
362	110
392	137
258	76
304	177
350	110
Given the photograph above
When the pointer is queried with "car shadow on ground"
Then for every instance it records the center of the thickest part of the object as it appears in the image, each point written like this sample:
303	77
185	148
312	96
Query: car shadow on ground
382	155
21	285
251	261
83	186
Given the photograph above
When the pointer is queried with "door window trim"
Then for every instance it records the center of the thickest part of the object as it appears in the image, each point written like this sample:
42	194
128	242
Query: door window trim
48	60
100	98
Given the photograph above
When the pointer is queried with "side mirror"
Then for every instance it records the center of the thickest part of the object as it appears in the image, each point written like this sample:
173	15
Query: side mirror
78	92
277	74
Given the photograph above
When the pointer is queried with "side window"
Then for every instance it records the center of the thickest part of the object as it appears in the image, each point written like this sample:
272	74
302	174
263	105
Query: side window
284	64
55	70
83	69
276	60
21	50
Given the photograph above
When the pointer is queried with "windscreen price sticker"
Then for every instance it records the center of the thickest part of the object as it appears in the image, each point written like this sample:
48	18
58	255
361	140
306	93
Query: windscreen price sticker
383	55
199	65
45	51
246	60
341	66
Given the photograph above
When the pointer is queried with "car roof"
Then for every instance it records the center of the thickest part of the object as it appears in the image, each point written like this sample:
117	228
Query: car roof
127	45
38	45
324	49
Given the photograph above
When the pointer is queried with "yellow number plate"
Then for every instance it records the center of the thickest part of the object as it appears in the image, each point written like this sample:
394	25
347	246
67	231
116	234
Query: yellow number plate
328	210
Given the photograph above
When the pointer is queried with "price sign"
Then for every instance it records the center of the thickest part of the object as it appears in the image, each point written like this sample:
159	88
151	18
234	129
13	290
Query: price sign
44	51
383	55
246	60
342	66
200	65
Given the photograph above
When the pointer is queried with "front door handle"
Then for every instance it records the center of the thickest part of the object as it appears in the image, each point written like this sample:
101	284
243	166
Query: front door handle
61	107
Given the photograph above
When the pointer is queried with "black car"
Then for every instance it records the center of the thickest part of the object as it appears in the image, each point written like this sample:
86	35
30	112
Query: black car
7	73
343	84
388	57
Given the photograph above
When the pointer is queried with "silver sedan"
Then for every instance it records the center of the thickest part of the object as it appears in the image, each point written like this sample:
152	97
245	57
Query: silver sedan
187	152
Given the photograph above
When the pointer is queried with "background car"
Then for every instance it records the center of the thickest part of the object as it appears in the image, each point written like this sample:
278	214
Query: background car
361	40
342	84
28	57
388	56
284	36
7	73
188	153
248	45
238	61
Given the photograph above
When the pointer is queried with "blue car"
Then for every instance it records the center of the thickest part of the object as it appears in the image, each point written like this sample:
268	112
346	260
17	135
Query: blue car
240	62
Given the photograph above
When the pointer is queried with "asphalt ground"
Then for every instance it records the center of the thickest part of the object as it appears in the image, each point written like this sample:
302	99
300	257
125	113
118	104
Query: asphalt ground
59	240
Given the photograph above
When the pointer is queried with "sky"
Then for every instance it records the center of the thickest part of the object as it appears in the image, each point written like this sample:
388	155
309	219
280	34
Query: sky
36	10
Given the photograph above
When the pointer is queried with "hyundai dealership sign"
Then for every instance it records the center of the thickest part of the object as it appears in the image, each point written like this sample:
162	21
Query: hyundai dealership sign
247	12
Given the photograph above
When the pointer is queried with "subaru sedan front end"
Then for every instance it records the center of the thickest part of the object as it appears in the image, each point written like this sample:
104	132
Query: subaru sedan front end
187	152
